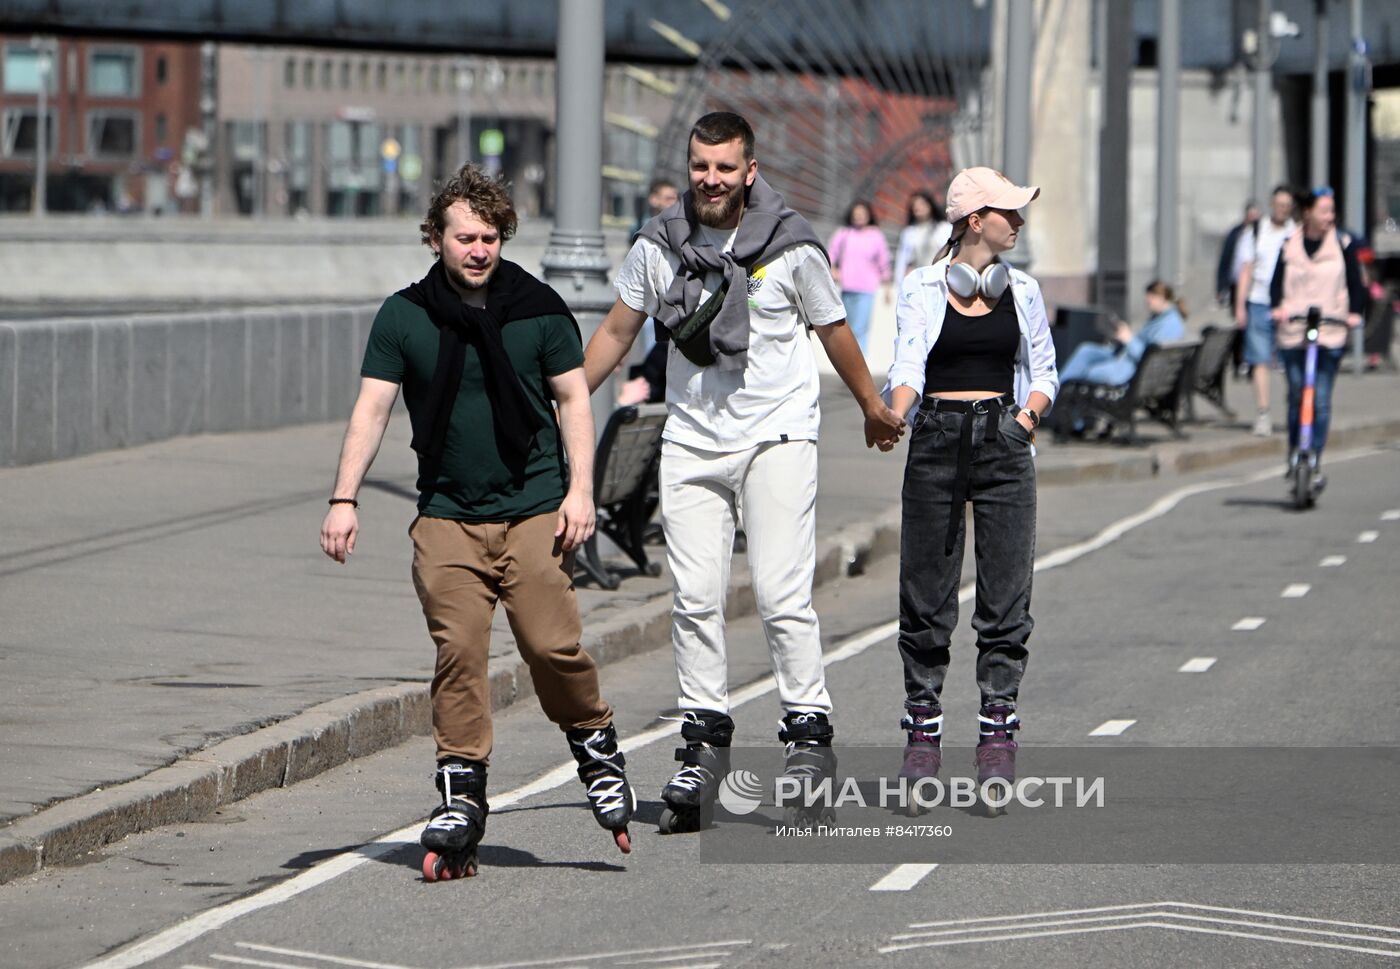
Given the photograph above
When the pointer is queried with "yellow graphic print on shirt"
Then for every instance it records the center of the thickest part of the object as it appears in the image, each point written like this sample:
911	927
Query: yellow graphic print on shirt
755	284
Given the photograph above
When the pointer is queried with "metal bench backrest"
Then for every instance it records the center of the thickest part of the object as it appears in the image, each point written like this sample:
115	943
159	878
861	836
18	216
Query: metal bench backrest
1160	368
630	443
1216	342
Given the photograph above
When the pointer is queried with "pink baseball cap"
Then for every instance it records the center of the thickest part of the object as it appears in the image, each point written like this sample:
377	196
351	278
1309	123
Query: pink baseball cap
979	188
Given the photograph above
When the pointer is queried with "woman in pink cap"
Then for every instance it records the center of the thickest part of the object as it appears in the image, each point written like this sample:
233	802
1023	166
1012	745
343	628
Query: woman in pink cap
973	373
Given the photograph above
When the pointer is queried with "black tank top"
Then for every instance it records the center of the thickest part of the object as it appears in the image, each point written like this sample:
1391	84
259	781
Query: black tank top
975	352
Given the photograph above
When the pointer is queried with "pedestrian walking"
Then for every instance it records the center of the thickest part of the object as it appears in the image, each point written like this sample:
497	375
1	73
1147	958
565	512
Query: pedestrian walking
1230	263
1259	251
925	231
738	278
481	350
860	264
974	371
1317	266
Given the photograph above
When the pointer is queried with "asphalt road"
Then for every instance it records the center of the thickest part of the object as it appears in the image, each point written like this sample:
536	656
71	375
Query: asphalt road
290	878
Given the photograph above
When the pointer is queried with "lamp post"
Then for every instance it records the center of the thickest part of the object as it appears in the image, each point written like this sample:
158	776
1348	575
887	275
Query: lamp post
44	50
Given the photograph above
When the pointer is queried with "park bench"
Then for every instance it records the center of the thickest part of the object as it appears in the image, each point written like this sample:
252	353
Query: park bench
1159	386
1210	368
625	488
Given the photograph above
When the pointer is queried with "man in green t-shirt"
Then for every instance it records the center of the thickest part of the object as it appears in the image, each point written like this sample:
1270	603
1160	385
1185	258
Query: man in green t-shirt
481	349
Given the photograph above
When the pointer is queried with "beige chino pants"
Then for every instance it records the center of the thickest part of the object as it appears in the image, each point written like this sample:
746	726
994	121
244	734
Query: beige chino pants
461	569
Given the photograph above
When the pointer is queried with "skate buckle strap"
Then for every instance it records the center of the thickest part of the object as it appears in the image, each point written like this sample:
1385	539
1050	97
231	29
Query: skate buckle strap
989	725
916	723
812	728
705	726
461	780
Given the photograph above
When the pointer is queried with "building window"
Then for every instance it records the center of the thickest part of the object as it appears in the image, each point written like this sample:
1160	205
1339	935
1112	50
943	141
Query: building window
22	68
21	133
162	69
364	75
114	72
161	130
308	74
112	134
289	72
417	78
381	77
345	75
435	79
326	69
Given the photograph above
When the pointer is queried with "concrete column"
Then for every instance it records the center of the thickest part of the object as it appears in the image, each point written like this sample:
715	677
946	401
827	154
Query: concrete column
1016	118
1358	93
1168	138
1263	89
41	144
1318	169
575	261
1114	137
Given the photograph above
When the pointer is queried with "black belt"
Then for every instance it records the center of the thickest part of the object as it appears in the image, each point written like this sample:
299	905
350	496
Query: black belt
992	406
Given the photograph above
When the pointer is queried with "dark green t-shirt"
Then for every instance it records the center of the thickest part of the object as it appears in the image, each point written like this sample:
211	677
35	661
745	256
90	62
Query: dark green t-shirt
472	483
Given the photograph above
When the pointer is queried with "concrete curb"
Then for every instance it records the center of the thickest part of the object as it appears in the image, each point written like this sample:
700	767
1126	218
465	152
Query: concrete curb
341	730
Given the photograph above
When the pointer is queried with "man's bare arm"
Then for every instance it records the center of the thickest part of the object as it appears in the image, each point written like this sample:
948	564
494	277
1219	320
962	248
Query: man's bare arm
576	514
883	426
363	436
611	343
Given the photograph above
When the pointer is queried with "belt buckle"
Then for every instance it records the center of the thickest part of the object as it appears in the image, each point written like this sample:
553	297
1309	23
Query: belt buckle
981	406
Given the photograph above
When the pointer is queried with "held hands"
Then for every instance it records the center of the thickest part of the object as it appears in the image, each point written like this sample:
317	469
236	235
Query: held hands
883	427
338	532
1353	320
577	518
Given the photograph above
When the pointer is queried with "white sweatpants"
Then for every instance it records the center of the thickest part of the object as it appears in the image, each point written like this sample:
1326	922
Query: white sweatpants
772	489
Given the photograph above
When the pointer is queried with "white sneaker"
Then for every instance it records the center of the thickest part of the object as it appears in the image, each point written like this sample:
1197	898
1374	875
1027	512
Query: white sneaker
1263	427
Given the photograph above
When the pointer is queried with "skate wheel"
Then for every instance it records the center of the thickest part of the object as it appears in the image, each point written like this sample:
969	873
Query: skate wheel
437	868
666	824
624	841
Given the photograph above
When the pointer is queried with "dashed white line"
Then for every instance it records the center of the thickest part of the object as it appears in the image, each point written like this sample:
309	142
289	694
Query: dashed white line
1367	537
1248	624
902	878
1332	562
1198	665
1296	591
1111	728
1391	516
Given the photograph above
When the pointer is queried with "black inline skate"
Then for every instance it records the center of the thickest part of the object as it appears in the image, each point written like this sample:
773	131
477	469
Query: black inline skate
457	825
809	758
601	768
923	753
690	795
996	757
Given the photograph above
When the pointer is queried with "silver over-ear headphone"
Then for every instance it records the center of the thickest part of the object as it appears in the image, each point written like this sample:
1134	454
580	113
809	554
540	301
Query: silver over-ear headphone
967	282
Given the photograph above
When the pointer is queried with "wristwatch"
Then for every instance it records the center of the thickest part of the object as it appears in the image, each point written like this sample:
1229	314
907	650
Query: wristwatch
1035	418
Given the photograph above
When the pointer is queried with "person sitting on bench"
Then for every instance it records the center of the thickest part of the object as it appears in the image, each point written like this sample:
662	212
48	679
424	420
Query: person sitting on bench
1100	363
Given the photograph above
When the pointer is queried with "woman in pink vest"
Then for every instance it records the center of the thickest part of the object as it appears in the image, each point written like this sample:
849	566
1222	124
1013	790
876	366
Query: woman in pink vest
1316	267
860	262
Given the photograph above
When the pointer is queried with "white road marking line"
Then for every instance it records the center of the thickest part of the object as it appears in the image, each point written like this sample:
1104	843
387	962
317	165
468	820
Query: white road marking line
202	923
304	954
1139	925
1296	591
1248	624
1391	516
1111	728
1332	562
1141	906
1198	665
695	951
1157	913
241	961
902	878
1367	537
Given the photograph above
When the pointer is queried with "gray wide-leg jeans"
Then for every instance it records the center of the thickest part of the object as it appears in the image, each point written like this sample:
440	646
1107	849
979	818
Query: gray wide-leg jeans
1000	485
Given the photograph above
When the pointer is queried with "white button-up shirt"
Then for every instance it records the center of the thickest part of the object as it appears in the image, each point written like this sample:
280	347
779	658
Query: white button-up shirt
923	302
